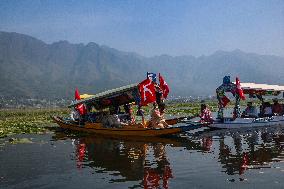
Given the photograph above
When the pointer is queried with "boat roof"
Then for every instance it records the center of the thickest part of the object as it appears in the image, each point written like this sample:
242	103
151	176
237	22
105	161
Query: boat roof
262	87
114	97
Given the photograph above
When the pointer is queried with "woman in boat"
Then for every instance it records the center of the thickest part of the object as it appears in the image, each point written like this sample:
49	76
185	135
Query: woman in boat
157	119
205	115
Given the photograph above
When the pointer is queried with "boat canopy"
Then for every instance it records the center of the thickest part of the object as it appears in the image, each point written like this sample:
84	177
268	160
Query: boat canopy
83	96
114	97
261	89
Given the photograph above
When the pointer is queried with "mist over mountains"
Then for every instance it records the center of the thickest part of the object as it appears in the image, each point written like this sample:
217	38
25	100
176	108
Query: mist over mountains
31	68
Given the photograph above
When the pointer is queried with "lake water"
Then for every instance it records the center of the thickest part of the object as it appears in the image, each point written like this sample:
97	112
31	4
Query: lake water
213	159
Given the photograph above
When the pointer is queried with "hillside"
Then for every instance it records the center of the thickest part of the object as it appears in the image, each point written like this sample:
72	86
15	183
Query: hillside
31	68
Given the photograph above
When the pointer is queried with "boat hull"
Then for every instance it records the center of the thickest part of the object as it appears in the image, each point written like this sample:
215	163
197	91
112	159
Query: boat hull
249	123
134	130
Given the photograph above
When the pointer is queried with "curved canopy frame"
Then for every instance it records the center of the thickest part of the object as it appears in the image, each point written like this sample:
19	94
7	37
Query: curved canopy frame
115	97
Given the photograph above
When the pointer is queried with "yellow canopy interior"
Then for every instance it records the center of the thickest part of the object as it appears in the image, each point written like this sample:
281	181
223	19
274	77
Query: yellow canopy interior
83	96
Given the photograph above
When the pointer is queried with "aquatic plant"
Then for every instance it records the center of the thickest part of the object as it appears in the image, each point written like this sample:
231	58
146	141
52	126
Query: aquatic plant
18	121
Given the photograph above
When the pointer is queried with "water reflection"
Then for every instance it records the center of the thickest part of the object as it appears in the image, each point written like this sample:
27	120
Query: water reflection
143	160
247	149
146	160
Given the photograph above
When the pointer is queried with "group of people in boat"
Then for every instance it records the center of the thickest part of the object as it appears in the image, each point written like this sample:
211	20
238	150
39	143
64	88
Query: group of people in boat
116	118
265	110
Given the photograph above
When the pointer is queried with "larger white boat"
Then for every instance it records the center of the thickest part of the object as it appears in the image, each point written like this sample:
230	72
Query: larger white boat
248	122
253	90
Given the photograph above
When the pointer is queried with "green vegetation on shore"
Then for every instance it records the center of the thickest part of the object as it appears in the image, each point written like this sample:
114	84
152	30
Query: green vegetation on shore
189	108
19	121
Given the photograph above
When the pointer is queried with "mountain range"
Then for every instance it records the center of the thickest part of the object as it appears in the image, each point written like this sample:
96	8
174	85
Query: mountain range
31	68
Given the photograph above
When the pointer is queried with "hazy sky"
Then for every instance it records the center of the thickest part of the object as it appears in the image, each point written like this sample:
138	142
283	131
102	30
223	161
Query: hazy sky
153	27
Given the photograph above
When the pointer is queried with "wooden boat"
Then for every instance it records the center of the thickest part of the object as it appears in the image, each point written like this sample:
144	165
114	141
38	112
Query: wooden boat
253	90
130	130
109	99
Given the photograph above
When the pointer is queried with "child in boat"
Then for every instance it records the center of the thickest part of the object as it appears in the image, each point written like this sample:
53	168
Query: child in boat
277	109
250	111
157	119
205	115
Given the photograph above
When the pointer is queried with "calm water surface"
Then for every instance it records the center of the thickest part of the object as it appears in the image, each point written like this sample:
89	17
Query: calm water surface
214	159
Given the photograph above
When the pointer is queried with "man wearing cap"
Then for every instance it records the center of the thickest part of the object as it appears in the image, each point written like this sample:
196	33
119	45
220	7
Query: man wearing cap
277	109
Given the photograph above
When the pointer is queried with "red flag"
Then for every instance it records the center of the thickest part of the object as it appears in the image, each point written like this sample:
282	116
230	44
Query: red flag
239	89
77	95
147	92
164	86
224	101
80	107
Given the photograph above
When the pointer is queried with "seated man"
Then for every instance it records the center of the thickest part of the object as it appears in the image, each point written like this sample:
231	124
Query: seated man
277	109
111	121
250	111
267	110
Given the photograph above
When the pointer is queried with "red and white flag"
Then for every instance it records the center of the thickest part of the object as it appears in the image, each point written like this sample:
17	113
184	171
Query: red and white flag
164	86
147	92
239	89
80	107
224	101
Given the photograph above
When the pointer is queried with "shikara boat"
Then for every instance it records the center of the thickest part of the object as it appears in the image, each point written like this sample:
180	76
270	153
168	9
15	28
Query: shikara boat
114	98
129	130
255	91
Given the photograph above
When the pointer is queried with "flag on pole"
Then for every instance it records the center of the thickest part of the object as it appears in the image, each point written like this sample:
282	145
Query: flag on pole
147	92
80	107
239	89
77	95
164	86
